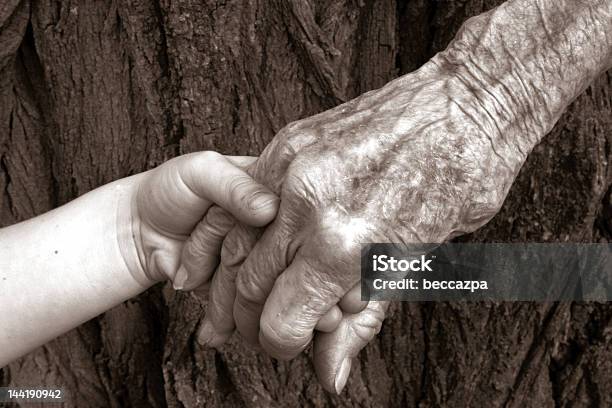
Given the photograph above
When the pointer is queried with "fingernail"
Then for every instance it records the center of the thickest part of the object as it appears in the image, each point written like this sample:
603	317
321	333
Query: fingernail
206	333
261	200
208	336
180	278
342	375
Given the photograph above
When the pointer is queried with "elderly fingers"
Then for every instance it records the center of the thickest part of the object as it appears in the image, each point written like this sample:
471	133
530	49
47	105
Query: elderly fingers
334	351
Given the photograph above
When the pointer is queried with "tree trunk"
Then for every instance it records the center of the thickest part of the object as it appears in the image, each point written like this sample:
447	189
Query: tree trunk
94	91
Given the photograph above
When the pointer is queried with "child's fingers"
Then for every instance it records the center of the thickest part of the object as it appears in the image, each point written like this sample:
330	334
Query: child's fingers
201	252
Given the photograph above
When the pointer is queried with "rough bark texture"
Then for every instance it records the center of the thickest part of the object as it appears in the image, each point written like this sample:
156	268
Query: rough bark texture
94	91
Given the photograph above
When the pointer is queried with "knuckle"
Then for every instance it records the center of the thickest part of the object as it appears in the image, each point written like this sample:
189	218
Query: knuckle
297	139
364	326
217	222
211	230
206	238
284	339
367	325
195	162
295	136
236	246
324	287
280	154
194	250
343	232
208	156
239	188
217	215
250	287
306	185
197	247
338	268
316	288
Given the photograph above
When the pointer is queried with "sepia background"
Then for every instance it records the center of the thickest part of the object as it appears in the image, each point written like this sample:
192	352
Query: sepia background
91	91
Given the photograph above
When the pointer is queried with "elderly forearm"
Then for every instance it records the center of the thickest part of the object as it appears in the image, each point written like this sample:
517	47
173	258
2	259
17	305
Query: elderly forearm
526	60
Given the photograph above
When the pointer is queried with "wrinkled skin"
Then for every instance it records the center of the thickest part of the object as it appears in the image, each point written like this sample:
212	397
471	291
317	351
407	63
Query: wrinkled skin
407	163
429	156
411	162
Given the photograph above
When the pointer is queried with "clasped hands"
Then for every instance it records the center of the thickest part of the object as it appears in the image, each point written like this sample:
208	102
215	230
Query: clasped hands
418	160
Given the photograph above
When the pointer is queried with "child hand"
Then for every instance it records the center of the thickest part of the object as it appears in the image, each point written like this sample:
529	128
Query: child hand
169	201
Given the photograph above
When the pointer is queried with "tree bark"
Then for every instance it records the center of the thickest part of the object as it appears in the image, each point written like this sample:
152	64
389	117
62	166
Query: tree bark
94	91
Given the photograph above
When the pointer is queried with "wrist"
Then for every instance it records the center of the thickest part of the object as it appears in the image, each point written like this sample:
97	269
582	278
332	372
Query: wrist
128	226
526	60
477	150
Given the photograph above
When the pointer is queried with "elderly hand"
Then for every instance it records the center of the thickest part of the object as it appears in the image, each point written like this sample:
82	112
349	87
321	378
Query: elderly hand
416	161
429	156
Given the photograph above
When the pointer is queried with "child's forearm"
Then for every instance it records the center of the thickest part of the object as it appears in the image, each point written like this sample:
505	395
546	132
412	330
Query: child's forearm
63	268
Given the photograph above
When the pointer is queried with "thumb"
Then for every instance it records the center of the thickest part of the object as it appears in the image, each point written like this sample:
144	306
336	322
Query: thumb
221	179
334	351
